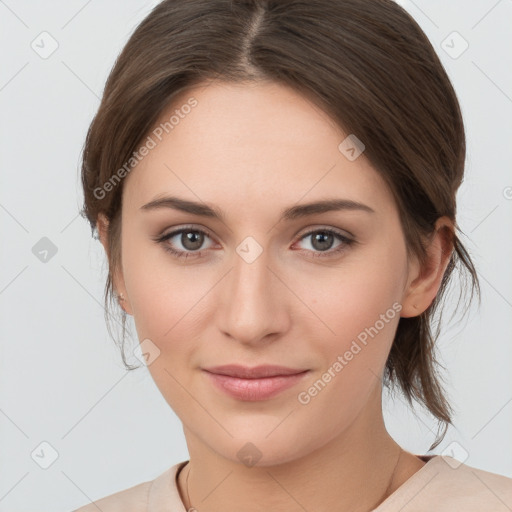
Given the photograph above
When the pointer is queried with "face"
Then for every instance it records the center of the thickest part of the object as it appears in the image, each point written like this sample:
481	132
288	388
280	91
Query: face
236	280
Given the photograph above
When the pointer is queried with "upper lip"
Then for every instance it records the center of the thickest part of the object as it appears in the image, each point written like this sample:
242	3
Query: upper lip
245	372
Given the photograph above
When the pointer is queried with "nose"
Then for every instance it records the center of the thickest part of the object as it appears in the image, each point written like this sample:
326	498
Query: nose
254	308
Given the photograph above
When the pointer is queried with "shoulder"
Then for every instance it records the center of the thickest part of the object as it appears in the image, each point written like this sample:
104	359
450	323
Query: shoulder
133	499
473	488
444	484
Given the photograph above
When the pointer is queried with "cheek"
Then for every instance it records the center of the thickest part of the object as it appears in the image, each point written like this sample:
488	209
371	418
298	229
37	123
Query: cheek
168	305
354	295
162	293
359	303
364	319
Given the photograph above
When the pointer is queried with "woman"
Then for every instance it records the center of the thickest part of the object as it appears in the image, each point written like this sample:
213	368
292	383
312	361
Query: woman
274	185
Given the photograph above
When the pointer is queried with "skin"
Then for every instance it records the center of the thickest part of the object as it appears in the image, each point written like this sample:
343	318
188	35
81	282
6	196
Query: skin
253	150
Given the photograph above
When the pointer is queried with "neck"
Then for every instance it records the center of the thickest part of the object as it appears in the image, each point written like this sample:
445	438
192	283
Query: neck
356	470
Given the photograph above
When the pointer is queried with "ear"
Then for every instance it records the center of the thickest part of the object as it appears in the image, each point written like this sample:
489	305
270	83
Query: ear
102	225
424	281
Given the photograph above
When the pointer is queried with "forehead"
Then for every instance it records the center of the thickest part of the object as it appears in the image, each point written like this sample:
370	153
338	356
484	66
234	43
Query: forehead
252	144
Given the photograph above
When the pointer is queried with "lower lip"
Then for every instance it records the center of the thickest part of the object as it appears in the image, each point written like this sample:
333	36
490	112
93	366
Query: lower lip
254	389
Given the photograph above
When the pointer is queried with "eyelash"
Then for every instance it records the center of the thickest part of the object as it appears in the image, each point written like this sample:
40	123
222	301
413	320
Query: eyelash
347	242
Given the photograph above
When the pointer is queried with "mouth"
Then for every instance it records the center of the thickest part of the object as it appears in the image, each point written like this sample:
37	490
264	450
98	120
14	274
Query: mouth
257	372
254	384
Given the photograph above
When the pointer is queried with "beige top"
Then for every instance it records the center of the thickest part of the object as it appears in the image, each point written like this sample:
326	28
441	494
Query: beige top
441	485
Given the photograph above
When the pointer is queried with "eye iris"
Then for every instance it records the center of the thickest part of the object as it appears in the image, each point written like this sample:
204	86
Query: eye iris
321	238
192	240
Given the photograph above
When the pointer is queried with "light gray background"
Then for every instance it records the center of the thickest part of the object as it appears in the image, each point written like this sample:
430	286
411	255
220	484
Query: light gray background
61	377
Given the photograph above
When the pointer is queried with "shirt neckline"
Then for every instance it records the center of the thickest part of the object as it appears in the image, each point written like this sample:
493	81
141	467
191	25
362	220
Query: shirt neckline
164	489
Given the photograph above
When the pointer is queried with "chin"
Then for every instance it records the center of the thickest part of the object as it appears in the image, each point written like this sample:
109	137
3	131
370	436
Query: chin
257	445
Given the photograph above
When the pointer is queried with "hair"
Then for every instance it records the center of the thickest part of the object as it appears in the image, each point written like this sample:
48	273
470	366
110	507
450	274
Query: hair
366	63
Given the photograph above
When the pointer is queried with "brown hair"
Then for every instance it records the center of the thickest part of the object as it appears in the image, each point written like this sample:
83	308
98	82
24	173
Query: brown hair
366	63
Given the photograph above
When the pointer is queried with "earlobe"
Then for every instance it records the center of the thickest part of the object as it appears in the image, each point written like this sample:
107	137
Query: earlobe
102	228
102	225
424	287
123	303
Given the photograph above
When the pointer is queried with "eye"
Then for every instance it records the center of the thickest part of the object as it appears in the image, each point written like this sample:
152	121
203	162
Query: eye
187	242
190	240
322	241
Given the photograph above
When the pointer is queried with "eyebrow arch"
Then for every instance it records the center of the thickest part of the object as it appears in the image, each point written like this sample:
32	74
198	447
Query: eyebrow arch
291	213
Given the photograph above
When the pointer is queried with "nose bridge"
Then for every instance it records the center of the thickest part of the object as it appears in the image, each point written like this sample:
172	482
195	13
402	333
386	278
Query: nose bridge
250	276
253	306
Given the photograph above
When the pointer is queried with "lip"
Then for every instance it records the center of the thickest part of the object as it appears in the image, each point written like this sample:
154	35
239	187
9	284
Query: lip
254	384
257	372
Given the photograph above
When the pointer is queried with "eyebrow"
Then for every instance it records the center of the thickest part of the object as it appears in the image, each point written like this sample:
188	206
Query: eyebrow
291	213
